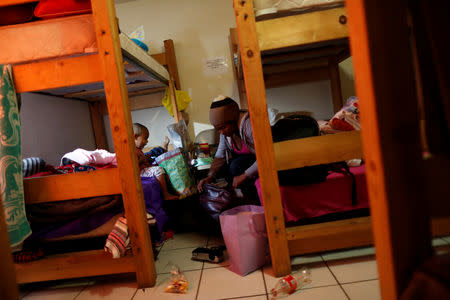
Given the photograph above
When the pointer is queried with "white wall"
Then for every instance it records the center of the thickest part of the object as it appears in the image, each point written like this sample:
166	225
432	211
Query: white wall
53	126
312	97
155	119
200	30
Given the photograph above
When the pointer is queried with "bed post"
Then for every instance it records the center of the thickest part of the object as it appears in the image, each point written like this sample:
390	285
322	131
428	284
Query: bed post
384	79
120	119
256	95
173	101
98	127
171	62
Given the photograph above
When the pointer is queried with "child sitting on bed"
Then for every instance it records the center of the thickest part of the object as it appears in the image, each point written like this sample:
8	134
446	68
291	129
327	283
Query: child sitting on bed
141	135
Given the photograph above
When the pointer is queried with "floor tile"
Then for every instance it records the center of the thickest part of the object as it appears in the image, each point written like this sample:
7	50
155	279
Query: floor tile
157	292
185	240
225	263
221	283
109	290
215	241
261	297
67	293
365	290
305	259
446	238
443	249
438	242
320	275
354	269
341	254
179	257
329	292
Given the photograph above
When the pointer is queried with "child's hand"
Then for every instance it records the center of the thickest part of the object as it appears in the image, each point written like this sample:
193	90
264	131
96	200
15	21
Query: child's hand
166	143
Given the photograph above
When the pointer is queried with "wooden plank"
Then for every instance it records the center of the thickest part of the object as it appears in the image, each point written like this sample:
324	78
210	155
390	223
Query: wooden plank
329	236
147	92
98	126
319	62
314	27
317	150
88	93
62	187
14	2
73	265
8	284
394	158
173	100
256	95
57	73
108	43
304	54
160	57
298	76
237	68
440	226
147	101
348	233
335	82
171	60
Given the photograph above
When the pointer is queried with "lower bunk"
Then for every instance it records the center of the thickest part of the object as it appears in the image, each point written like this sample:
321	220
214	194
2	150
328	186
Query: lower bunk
333	214
54	216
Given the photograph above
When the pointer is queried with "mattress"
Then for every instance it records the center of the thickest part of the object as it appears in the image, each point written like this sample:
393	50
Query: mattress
331	196
46	39
263	7
68	36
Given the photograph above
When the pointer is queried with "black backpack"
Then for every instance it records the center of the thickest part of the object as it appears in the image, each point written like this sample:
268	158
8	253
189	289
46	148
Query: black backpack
300	126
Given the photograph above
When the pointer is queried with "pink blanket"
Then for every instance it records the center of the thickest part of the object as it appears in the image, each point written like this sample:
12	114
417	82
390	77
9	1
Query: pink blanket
331	196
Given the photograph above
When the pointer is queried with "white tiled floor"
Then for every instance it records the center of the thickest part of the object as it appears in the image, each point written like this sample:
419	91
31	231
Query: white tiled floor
350	274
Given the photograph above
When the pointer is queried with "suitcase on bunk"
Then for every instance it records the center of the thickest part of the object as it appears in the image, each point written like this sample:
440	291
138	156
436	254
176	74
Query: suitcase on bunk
298	126
295	127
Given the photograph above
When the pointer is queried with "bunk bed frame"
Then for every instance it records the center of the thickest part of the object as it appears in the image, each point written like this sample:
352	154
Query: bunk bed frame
105	66
317	30
408	190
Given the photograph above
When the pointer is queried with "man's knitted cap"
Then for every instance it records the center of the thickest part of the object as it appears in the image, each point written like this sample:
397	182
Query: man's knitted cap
223	110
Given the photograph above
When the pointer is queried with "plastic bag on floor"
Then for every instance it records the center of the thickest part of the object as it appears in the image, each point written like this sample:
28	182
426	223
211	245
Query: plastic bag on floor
244	232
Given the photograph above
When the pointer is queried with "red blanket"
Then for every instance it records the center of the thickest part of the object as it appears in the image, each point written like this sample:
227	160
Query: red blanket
331	196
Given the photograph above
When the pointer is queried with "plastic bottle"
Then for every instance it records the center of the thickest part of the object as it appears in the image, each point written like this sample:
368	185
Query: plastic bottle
290	283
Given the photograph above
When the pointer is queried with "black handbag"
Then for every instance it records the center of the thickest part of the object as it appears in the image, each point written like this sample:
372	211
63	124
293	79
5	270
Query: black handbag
215	199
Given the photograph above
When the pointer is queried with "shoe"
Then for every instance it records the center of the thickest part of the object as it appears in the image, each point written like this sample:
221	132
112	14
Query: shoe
213	254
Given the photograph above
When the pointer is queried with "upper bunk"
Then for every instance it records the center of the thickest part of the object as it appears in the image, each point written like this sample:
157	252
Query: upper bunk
48	48
296	46
60	57
292	41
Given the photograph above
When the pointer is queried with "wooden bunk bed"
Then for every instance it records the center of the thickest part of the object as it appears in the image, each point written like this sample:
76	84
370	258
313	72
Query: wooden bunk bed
105	65
408	86
313	34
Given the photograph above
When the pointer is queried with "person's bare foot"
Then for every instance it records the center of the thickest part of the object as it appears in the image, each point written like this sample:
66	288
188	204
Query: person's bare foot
170	197
166	142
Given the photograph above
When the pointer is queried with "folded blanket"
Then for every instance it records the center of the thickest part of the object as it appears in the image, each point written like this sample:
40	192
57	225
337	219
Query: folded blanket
85	157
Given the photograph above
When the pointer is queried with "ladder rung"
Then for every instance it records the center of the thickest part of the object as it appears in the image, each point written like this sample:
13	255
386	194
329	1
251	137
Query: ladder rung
317	150
72	186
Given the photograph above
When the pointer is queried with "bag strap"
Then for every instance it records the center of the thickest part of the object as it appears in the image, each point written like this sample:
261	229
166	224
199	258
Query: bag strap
343	168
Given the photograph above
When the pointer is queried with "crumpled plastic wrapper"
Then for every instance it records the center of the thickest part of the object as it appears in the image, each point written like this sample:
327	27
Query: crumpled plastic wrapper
177	284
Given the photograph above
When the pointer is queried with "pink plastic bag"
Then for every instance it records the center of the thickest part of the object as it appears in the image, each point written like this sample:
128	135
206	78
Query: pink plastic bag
244	232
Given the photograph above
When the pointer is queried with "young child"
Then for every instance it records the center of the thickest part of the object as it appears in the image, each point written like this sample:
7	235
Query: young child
141	135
